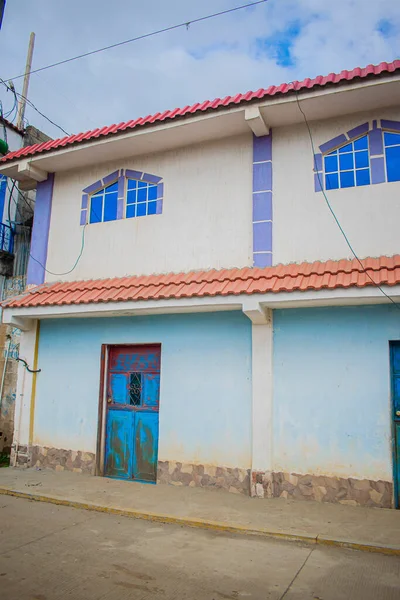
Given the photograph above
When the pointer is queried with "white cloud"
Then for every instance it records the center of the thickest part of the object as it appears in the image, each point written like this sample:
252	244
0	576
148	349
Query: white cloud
213	58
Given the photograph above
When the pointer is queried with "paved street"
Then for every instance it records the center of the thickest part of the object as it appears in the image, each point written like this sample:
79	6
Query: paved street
49	552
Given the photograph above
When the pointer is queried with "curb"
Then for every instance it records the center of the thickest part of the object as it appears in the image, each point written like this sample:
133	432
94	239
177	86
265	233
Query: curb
203	524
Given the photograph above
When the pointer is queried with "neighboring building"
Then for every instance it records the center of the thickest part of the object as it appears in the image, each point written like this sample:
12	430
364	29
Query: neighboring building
16	217
173	345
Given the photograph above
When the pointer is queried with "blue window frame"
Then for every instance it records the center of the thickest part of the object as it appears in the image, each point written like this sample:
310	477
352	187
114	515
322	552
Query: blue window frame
348	166
103	204
141	199
392	155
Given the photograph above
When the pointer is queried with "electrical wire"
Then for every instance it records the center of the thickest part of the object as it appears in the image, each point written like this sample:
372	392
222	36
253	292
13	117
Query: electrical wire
33	106
141	37
333	212
75	263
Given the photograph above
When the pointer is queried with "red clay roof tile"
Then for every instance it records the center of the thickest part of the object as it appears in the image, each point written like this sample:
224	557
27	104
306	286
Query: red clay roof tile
281	278
284	88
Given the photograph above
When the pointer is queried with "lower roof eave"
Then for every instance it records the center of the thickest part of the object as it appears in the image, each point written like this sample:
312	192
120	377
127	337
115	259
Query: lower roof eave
23	317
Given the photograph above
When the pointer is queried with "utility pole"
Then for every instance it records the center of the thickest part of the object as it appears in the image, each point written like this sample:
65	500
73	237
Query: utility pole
22	103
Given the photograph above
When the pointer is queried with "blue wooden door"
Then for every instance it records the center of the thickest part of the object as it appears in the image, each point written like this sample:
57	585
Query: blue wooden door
395	368
133	394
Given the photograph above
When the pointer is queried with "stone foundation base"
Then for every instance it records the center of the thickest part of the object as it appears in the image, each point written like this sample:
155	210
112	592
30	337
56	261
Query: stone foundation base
60	460
236	481
356	492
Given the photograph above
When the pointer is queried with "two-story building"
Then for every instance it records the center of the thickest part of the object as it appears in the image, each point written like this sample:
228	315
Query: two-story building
215	294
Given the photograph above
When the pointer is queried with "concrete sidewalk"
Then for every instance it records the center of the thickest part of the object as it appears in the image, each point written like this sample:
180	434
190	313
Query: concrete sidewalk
371	529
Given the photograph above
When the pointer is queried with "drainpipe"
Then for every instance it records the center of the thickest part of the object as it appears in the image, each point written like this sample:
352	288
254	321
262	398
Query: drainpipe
4	370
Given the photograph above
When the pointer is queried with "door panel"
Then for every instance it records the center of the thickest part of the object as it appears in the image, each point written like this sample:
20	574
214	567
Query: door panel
133	392
119	443
146	446
395	369
118	388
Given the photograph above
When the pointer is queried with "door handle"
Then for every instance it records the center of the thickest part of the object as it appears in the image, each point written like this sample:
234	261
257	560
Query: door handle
109	400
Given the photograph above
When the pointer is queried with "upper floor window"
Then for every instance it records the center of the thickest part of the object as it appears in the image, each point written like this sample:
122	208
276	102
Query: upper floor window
348	166
367	154
392	153
122	195
103	204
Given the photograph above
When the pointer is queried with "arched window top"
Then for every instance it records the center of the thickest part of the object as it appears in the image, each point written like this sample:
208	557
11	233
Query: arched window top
122	194
367	154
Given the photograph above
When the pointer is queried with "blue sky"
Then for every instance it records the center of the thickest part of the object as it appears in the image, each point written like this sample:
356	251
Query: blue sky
275	42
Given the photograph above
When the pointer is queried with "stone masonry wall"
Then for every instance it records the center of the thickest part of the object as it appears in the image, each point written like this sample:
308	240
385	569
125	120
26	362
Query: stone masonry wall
236	481
60	460
356	492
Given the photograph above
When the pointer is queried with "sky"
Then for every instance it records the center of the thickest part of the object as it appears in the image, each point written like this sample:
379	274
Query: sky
275	42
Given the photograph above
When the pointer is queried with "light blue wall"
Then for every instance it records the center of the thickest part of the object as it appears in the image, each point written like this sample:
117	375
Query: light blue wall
332	390
205	398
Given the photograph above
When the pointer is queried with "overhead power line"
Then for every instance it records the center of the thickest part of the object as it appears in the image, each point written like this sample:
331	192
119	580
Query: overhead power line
33	106
342	231
142	37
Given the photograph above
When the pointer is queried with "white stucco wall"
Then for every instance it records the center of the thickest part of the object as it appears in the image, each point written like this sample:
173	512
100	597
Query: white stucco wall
303	228
206	220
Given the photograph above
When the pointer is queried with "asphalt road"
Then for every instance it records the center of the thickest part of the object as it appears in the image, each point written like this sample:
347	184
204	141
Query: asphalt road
49	552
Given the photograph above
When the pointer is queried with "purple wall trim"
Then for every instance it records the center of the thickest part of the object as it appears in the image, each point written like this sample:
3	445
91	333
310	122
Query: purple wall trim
318	182
40	231
375	142
110	178
378	174
262	206
374	124
317	162
83	217
357	131
262	200
85	200
160	190
121	196
120	208
159	206
151	178
263	259
93	187
333	143
386	124
262	236
262	148
262	177
133	174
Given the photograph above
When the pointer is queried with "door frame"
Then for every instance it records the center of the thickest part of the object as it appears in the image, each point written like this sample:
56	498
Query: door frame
102	404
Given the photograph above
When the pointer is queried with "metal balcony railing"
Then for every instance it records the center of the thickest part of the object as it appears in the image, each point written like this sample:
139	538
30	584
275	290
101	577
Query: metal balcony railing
6	238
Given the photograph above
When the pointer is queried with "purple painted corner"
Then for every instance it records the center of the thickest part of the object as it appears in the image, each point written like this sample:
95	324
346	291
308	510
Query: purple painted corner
374	124
262	177
262	148
333	143
40	231
133	174
317	162
83	220
378	170
375	142
110	178
393	125
121	187
357	131
159	206
318	182
262	206
262	237
262	259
